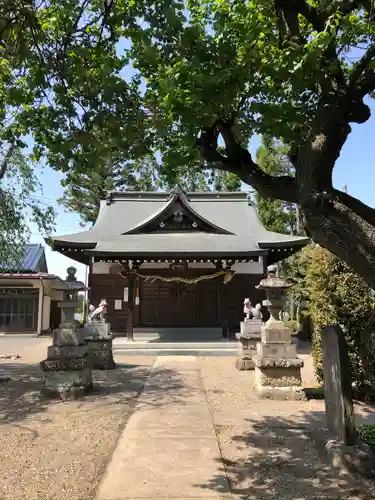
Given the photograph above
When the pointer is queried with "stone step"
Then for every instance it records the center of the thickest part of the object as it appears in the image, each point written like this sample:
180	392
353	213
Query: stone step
178	352
222	348
179	330
128	344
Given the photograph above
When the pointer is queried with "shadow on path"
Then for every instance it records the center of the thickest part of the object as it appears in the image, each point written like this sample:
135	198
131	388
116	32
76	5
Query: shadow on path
19	396
277	458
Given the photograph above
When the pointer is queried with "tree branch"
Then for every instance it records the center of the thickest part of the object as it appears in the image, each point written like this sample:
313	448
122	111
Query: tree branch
237	160
6	159
364	211
362	65
366	84
312	15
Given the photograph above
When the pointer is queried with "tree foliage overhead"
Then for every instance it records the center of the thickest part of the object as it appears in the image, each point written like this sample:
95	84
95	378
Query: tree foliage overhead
280	68
84	191
194	81
276	215
19	205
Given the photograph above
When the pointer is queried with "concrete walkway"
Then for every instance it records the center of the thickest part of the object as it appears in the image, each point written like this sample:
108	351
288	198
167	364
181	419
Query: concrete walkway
169	448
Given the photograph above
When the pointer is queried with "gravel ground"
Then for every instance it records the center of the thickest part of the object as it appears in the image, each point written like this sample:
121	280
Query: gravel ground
268	446
57	450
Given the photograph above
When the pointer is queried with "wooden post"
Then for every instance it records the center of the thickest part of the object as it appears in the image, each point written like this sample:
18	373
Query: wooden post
221	303
131	306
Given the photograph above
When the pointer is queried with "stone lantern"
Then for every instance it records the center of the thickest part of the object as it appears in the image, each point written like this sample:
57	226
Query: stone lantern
274	287
67	369
277	367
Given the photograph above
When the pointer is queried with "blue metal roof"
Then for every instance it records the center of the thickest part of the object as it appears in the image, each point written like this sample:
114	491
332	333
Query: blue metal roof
32	255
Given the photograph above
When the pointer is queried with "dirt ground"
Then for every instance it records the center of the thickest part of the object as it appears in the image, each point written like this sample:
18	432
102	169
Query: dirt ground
56	450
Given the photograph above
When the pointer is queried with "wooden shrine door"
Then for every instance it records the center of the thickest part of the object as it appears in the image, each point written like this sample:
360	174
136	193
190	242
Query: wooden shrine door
178	305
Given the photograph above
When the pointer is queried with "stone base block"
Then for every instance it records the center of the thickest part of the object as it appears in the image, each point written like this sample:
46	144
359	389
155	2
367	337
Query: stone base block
66	385
100	352
278	383
68	336
69	364
97	329
277	351
244	364
279	335
251	328
278	377
254	337
248	344
278	363
358	459
67	351
281	393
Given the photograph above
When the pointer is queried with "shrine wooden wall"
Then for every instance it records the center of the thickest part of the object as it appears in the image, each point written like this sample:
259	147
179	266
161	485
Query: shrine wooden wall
208	303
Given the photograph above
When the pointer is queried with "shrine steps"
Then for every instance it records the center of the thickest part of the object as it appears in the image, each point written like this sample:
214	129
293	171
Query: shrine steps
177	334
220	348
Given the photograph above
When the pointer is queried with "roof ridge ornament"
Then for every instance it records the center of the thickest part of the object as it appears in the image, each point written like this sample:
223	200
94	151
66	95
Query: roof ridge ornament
109	198
178	189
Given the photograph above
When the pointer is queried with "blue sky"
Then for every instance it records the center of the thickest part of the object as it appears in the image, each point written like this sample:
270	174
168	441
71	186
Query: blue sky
355	168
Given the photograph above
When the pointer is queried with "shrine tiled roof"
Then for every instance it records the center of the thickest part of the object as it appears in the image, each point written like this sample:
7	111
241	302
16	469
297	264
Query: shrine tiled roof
33	256
29	276
234	220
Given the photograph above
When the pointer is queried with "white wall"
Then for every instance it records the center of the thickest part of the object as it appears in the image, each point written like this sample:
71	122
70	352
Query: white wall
248	267
46	312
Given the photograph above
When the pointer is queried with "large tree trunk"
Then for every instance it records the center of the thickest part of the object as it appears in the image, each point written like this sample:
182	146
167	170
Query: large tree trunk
337	228
333	218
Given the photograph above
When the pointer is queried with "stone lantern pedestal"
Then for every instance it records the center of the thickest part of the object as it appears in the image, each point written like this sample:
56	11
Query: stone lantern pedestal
248	337
99	342
277	367
67	369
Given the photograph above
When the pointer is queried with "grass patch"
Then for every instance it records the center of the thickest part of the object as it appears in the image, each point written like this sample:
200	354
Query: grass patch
366	432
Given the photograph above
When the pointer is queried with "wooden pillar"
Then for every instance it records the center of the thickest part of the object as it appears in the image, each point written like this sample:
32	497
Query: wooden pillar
131	307
221	303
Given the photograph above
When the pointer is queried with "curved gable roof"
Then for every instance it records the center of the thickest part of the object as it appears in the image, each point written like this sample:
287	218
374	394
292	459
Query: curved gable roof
123	216
182	198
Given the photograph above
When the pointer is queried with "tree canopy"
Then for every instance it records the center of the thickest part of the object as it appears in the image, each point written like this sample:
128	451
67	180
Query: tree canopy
192	82
84	191
19	206
276	215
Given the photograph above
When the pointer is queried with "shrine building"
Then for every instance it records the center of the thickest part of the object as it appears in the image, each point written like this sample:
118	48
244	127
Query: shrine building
176	262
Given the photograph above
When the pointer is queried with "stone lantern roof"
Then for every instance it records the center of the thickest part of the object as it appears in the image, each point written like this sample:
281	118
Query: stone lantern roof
70	285
273	281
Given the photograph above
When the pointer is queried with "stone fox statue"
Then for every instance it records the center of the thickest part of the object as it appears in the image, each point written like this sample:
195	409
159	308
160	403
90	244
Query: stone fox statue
250	311
97	312
247	307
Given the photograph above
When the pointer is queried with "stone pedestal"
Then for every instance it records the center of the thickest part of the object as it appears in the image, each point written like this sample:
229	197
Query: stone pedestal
97	328
99	342
277	367
67	369
248	337
101	354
